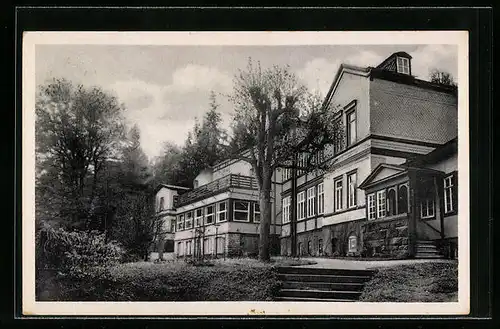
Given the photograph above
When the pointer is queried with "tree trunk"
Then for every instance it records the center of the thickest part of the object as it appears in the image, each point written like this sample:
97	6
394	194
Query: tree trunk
265	221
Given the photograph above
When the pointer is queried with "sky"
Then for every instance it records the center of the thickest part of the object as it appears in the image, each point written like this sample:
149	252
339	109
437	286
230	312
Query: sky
164	88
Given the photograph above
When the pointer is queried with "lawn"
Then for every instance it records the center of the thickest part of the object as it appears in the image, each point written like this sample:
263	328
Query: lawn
419	282
217	280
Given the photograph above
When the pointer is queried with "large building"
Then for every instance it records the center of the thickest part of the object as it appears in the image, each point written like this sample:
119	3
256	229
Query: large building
389	117
386	192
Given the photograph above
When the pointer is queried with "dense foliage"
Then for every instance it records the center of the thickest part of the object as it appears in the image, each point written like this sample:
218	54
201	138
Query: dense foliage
172	282
419	282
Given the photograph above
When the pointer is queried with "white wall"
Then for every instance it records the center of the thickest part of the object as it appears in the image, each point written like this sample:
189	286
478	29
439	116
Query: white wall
236	167
168	196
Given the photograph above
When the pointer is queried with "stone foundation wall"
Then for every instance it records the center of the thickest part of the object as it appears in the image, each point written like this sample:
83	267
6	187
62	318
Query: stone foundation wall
386	238
334	240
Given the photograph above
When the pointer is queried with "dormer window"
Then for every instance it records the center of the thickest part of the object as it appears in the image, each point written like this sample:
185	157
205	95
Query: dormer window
403	65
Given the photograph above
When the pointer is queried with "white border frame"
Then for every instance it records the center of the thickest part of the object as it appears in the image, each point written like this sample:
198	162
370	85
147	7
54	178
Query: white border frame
32	307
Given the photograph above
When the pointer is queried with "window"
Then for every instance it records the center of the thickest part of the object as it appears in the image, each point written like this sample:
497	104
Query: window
381	204
172	225
179	248
427	208
188	247
338	143
311	202
256	212
320	246
241	212
448	194
403	65
198	219
162	204
391	202
180	223
221	211
321	199
286	209
309	247
353	243
403	199
301	163
338	194
301	213
351	185
351	127
189	220
196	183
287	174
207	246
175	200
371	207
299	248
221	243
209	214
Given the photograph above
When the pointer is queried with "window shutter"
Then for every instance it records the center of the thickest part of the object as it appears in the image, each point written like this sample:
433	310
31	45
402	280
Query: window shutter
454	181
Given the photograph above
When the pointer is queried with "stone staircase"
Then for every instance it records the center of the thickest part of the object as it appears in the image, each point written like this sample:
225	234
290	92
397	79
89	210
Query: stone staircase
322	284
428	249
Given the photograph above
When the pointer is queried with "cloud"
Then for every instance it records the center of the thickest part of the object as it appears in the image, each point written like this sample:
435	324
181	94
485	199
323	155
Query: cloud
442	57
167	112
319	73
199	77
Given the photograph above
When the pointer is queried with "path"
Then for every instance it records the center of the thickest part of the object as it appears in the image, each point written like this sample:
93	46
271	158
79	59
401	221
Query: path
366	264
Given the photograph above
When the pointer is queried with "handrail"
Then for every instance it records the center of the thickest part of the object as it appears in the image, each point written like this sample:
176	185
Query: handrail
231	180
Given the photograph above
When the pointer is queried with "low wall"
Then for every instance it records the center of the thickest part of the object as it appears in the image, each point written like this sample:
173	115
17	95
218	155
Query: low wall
386	238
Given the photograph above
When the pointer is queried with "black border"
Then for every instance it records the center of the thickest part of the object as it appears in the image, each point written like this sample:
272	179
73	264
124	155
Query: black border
477	21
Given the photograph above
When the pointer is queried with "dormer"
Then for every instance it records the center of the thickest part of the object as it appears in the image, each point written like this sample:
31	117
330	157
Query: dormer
399	62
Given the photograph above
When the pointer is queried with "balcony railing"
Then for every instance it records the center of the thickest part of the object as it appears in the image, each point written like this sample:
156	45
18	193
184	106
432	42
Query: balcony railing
215	187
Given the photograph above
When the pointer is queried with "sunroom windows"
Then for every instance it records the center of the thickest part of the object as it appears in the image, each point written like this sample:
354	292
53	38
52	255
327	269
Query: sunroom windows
241	211
387	202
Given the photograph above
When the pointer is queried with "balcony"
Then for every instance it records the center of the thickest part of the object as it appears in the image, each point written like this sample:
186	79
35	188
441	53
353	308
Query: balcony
217	186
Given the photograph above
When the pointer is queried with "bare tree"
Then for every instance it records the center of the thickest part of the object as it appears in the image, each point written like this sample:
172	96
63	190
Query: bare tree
276	119
441	77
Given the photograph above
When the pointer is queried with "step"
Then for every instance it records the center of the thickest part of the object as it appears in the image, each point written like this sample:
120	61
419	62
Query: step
347	286
333	294
323	278
324	271
432	242
427	250
305	299
429	256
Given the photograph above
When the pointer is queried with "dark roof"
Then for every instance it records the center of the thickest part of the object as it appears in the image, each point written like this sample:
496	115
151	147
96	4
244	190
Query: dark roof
442	152
398	54
378	72
172	187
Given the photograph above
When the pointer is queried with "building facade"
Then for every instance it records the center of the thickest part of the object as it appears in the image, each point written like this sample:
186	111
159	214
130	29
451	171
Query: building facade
389	117
220	216
385	193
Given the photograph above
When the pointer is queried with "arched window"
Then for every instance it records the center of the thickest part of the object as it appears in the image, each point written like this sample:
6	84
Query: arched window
353	243
391	202
162	203
403	199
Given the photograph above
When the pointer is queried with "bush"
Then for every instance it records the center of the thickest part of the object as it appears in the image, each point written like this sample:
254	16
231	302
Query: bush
75	255
146	281
420	282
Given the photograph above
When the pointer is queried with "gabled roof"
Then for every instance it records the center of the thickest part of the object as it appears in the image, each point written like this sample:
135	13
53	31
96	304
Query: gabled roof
398	54
365	71
368	180
403	169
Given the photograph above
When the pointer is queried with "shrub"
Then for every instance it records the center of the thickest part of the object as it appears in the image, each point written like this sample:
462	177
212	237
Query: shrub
76	255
